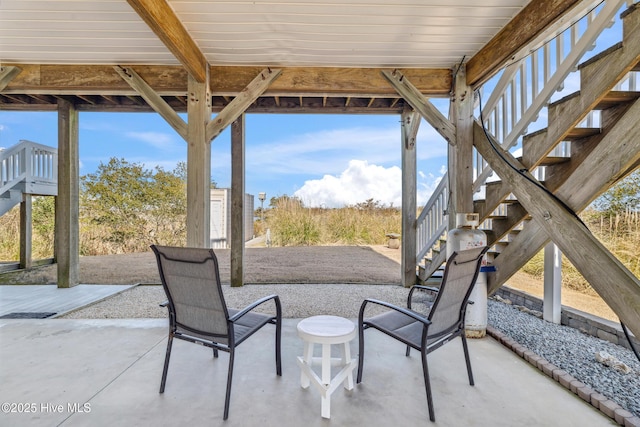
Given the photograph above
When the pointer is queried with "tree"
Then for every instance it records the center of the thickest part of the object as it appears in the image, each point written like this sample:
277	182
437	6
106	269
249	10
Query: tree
116	198
622	197
126	207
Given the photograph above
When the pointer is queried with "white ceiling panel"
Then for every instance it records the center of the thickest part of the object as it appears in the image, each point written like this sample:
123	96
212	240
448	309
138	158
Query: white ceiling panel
346	33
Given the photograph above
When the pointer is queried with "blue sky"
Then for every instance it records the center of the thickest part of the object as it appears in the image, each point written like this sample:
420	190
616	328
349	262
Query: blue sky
326	160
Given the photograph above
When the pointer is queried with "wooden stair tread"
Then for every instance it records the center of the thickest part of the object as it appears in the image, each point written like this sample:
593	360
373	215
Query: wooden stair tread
616	97
580	133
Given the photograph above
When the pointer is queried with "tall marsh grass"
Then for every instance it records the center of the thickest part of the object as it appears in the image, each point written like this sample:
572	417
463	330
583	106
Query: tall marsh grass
292	224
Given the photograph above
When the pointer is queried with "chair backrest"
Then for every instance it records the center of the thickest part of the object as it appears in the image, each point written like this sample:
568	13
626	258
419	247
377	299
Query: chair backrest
460	274
191	279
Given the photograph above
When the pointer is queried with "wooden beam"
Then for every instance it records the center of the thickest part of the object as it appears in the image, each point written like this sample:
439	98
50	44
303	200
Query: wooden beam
26	231
410	126
421	104
64	79
7	74
153	99
163	21
521	30
241	102
67	230
617	286
237	201
198	166
51	79
460	156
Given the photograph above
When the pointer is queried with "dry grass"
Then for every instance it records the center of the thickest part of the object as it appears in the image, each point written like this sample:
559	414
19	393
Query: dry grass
292	224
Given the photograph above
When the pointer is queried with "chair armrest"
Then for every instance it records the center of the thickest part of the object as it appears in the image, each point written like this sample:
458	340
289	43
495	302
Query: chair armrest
405	311
164	304
422	288
255	304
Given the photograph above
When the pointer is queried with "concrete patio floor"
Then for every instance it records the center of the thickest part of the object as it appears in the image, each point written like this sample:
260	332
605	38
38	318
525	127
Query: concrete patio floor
107	372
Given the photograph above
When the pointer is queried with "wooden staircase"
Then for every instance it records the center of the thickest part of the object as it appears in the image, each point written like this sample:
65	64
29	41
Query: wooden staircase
599	156
572	159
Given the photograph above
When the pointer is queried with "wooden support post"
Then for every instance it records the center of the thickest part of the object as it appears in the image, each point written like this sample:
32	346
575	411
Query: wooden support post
552	305
410	125
198	165
26	231
461	153
237	201
67	203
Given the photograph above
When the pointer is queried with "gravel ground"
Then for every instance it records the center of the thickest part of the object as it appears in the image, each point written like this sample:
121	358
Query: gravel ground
573	351
298	301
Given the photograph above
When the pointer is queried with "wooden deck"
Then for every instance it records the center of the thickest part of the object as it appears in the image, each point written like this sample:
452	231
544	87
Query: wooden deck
51	299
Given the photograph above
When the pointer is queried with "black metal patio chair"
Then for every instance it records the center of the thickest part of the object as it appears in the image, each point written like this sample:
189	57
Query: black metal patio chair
443	321
198	312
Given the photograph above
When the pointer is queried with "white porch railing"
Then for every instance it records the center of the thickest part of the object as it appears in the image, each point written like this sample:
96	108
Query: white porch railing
28	162
432	222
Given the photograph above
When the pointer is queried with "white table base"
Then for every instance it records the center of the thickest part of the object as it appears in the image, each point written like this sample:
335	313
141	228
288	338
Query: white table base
340	334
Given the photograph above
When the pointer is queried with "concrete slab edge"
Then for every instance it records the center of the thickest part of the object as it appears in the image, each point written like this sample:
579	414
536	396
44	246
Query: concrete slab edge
605	405
62	313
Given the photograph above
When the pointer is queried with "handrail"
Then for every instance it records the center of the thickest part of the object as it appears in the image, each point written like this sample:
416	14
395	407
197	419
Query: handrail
28	162
432	223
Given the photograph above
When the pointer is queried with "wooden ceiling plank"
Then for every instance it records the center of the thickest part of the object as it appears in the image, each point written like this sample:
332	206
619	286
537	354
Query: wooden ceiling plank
7	74
522	29
241	102
163	21
421	104
153	99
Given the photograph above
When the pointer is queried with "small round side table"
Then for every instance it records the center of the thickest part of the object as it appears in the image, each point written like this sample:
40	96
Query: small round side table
326	330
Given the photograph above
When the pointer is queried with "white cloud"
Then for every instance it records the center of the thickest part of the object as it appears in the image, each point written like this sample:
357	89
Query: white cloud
359	182
362	181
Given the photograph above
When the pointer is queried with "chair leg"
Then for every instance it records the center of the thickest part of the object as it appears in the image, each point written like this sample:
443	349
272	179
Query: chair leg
360	351
279	347
466	357
166	363
229	379
427	385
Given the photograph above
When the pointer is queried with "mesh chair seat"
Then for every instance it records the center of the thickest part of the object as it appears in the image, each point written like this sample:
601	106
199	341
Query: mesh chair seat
399	326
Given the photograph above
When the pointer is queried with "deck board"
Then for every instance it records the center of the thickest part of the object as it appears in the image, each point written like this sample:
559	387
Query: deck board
50	298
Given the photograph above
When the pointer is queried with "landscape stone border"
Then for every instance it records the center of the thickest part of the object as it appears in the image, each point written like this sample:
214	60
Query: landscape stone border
605	405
